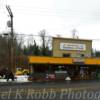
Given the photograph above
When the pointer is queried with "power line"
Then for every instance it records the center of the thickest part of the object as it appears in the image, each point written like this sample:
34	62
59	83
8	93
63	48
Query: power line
51	12
36	35
30	35
51	9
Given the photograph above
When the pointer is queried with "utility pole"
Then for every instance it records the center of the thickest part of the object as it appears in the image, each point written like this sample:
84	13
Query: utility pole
11	16
12	59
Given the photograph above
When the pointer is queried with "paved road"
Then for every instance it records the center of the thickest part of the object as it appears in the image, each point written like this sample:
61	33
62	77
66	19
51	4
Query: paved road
80	90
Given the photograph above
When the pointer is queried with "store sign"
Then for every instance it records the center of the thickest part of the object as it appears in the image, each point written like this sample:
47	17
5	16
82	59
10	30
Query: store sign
72	46
78	60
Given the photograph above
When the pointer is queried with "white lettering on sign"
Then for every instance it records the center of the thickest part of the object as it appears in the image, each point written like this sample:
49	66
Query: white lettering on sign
72	46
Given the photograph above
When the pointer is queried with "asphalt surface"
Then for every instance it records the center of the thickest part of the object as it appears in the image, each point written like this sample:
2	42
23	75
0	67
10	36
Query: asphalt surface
74	90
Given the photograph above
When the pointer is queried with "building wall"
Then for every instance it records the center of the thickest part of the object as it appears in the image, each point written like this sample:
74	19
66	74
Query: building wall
57	52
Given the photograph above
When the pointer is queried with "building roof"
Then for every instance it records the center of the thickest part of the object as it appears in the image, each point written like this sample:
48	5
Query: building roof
78	39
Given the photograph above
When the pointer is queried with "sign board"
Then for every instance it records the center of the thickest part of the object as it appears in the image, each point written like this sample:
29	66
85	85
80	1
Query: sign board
78	60
72	46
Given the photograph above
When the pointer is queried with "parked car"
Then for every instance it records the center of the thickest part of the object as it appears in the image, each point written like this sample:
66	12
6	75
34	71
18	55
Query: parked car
42	77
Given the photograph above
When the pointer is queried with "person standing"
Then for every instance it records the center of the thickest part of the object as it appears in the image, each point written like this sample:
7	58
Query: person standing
9	75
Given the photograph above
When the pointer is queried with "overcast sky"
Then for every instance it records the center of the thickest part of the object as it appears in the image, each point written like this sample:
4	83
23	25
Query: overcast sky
56	16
